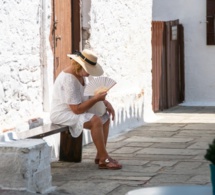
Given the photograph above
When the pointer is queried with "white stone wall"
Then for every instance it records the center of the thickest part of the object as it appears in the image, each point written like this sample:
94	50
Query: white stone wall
120	33
24	47
199	58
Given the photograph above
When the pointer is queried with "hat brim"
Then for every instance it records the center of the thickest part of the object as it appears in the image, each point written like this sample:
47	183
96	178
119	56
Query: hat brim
94	70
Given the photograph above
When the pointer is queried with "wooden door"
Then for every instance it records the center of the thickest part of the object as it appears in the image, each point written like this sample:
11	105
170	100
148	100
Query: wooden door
167	64
159	92
65	40
66	36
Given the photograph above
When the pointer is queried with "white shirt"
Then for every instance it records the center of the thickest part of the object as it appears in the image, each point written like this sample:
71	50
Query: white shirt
68	90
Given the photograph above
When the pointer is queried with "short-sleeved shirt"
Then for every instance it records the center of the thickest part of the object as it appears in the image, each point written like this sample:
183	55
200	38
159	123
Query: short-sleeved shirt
69	91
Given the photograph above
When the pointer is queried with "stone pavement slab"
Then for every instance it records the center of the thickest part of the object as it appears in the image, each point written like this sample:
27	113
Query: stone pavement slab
169	151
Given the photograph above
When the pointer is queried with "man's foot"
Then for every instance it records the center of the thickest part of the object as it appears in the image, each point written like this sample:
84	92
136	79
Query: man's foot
109	163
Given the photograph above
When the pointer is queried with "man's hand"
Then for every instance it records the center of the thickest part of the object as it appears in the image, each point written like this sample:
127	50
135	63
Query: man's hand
110	109
100	96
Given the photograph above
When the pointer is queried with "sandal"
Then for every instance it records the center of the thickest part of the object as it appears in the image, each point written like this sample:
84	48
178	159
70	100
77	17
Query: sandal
110	164
97	160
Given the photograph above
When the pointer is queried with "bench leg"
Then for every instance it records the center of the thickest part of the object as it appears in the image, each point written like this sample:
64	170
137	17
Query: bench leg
70	148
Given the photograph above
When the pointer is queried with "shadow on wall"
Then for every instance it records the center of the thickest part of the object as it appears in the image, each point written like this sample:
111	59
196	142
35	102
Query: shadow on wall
125	119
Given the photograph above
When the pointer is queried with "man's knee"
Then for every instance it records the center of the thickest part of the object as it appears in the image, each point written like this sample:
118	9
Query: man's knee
96	121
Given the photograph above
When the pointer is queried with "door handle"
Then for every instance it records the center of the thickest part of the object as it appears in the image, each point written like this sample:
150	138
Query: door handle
58	37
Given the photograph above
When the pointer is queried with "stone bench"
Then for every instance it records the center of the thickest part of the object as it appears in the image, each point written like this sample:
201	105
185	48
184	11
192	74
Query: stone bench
25	166
25	162
70	148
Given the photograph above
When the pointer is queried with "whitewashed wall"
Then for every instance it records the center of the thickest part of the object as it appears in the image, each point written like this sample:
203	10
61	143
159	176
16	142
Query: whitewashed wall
120	33
199	58
24	60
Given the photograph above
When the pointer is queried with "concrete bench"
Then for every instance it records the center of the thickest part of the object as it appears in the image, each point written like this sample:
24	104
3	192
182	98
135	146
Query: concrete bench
25	166
70	148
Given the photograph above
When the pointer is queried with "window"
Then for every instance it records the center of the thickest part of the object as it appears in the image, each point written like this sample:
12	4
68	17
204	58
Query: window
210	22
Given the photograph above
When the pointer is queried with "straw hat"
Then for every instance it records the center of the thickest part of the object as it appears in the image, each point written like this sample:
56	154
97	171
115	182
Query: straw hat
88	60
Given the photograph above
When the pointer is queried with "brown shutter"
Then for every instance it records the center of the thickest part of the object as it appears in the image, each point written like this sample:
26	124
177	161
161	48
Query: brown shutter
75	25
210	22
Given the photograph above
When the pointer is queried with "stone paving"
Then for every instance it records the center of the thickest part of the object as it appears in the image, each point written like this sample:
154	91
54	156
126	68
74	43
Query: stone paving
169	151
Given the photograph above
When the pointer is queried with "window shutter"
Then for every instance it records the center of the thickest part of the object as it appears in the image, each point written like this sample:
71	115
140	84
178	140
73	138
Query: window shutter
210	22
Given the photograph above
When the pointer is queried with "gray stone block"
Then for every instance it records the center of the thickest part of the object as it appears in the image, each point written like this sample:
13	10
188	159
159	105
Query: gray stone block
36	122
25	165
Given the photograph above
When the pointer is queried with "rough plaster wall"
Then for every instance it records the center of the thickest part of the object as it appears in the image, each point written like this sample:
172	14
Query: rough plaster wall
199	58
120	33
21	89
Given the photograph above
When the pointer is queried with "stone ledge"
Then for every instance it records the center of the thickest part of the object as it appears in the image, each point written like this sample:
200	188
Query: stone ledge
25	165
